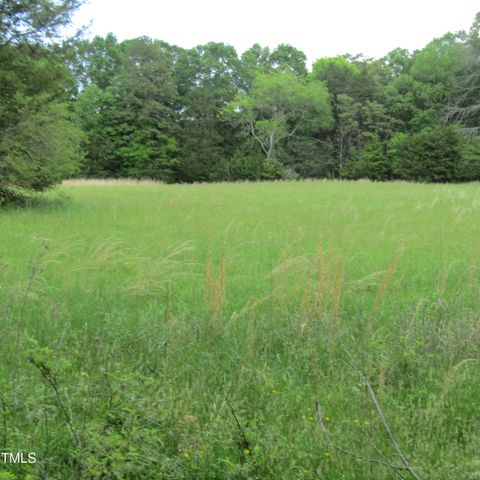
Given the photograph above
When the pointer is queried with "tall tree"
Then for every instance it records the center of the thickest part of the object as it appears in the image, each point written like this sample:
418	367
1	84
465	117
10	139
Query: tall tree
464	105
34	21
128	113
38	142
147	92
337	73
99	62
255	60
209	78
277	106
286	58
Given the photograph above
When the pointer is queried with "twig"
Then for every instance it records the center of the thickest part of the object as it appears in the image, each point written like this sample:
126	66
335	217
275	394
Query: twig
383	420
396	468
245	442
50	379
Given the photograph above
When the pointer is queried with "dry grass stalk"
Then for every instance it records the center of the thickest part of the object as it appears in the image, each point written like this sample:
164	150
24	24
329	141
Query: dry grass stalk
101	182
383	286
219	293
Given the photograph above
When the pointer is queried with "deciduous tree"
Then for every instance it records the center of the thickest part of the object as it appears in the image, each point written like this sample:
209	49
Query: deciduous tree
278	106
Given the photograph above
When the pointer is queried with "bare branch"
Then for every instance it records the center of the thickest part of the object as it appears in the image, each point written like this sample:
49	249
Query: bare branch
320	419
245	442
384	421
51	380
252	131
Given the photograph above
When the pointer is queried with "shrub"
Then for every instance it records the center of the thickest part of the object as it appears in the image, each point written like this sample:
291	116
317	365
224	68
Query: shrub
432	155
468	169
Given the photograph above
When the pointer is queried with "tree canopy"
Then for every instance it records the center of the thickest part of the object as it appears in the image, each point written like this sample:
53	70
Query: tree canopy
34	21
39	144
146	109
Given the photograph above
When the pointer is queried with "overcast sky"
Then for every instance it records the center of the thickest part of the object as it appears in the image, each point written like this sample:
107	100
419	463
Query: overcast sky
318	28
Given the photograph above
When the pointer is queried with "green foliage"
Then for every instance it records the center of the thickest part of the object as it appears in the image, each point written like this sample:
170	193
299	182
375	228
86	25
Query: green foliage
27	21
40	150
39	144
208	78
439	62
100	62
465	104
277	107
254	61
468	169
127	113
431	155
145	128
191	115
96	113
372	161
337	72
286	58
397	61
152	110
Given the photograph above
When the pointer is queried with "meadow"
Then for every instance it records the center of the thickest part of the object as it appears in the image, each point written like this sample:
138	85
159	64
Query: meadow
231	331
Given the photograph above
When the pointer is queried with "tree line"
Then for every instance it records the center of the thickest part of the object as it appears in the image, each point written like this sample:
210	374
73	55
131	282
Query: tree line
143	108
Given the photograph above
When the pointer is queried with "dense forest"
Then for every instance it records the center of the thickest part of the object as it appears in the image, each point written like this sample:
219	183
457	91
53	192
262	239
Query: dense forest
142	108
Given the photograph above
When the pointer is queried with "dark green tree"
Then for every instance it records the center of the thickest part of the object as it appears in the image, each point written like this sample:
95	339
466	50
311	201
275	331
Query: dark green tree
146	121
39	145
468	168
286	58
254	61
40	150
431	155
127	110
209	78
27	22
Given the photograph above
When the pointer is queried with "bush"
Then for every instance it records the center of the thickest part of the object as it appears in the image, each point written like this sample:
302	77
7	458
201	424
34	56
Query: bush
468	169
372	161
432	155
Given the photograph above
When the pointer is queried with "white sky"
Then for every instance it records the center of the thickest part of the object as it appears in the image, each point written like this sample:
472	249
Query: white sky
318	28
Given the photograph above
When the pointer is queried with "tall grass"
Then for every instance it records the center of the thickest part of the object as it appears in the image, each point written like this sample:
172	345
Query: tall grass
187	332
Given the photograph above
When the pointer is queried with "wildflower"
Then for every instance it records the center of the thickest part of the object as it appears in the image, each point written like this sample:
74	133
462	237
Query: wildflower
327	419
247	451
366	422
326	454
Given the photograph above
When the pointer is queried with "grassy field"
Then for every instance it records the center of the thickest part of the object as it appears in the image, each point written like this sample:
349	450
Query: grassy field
187	332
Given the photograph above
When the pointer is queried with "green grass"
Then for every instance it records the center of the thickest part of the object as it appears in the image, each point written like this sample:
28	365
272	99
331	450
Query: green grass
135	318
